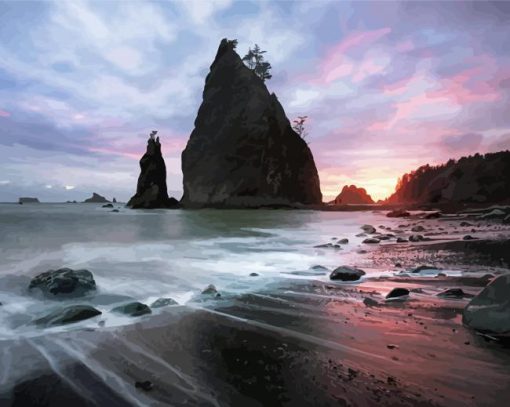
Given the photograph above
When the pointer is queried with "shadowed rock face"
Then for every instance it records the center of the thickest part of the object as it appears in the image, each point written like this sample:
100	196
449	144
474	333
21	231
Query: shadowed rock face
151	190
243	151
353	195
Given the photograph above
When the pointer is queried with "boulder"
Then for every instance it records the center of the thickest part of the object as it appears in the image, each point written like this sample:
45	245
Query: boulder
432	215
368	229
418	228
371	240
469	237
425	268
489	310
151	190
398	213
243	151
370	302
133	309
453	293
416	238
96	198
465	224
401	240
108	205
64	282
398	294
210	290
319	268
163	302
68	315
343	241
346	273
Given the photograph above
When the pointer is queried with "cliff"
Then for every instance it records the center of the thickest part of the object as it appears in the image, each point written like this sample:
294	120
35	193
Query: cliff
243	151
351	194
151	191
473	179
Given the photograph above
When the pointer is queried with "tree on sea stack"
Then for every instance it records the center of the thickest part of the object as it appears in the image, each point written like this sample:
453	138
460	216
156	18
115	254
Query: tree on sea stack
254	60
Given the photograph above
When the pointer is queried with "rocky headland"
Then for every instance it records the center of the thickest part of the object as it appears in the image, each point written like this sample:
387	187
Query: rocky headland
96	198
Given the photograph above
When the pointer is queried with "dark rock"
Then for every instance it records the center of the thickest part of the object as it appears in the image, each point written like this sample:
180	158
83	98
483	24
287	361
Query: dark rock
151	190
25	200
145	385
417	228
361	251
133	309
453	293
96	198
401	240
398	213
370	302
319	268
361	235
163	302
254	274
368	229
346	273
324	246
465	224
114	200
371	240
108	205
506	221
351	194
419	269
343	241
433	215
115	211
416	238
469	237
398	293
68	315
489	310
243	151
494	214
210	290
398	264
64	282
392	346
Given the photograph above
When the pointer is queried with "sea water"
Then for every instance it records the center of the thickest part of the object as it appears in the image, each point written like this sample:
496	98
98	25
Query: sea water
143	255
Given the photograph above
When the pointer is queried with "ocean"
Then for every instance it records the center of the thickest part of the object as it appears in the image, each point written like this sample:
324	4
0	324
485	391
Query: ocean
144	255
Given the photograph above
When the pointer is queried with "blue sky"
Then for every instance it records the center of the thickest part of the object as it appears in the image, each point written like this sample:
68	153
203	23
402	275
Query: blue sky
387	86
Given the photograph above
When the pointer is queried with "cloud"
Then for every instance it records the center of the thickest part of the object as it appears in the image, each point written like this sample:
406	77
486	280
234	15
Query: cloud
460	143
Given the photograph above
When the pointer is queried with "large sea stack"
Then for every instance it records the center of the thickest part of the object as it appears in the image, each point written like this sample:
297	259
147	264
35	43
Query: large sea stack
151	191
352	195
243	152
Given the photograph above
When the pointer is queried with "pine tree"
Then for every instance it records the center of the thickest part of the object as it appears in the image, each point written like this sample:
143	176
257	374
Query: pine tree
254	60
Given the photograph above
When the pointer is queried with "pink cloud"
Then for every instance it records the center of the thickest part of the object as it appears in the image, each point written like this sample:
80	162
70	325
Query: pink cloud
335	65
3	113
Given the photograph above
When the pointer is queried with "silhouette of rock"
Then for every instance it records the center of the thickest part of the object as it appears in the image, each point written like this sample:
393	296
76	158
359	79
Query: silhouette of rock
243	151
151	191
25	200
96	198
351	194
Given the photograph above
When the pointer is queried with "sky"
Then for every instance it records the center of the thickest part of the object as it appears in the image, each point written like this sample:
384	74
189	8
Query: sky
386	86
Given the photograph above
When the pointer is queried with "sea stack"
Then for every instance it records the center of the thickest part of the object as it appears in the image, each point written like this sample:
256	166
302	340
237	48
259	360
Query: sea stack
151	191
243	152
352	195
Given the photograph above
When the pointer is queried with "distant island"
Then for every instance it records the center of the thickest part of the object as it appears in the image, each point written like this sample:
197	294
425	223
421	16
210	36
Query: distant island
96	198
352	195
25	200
